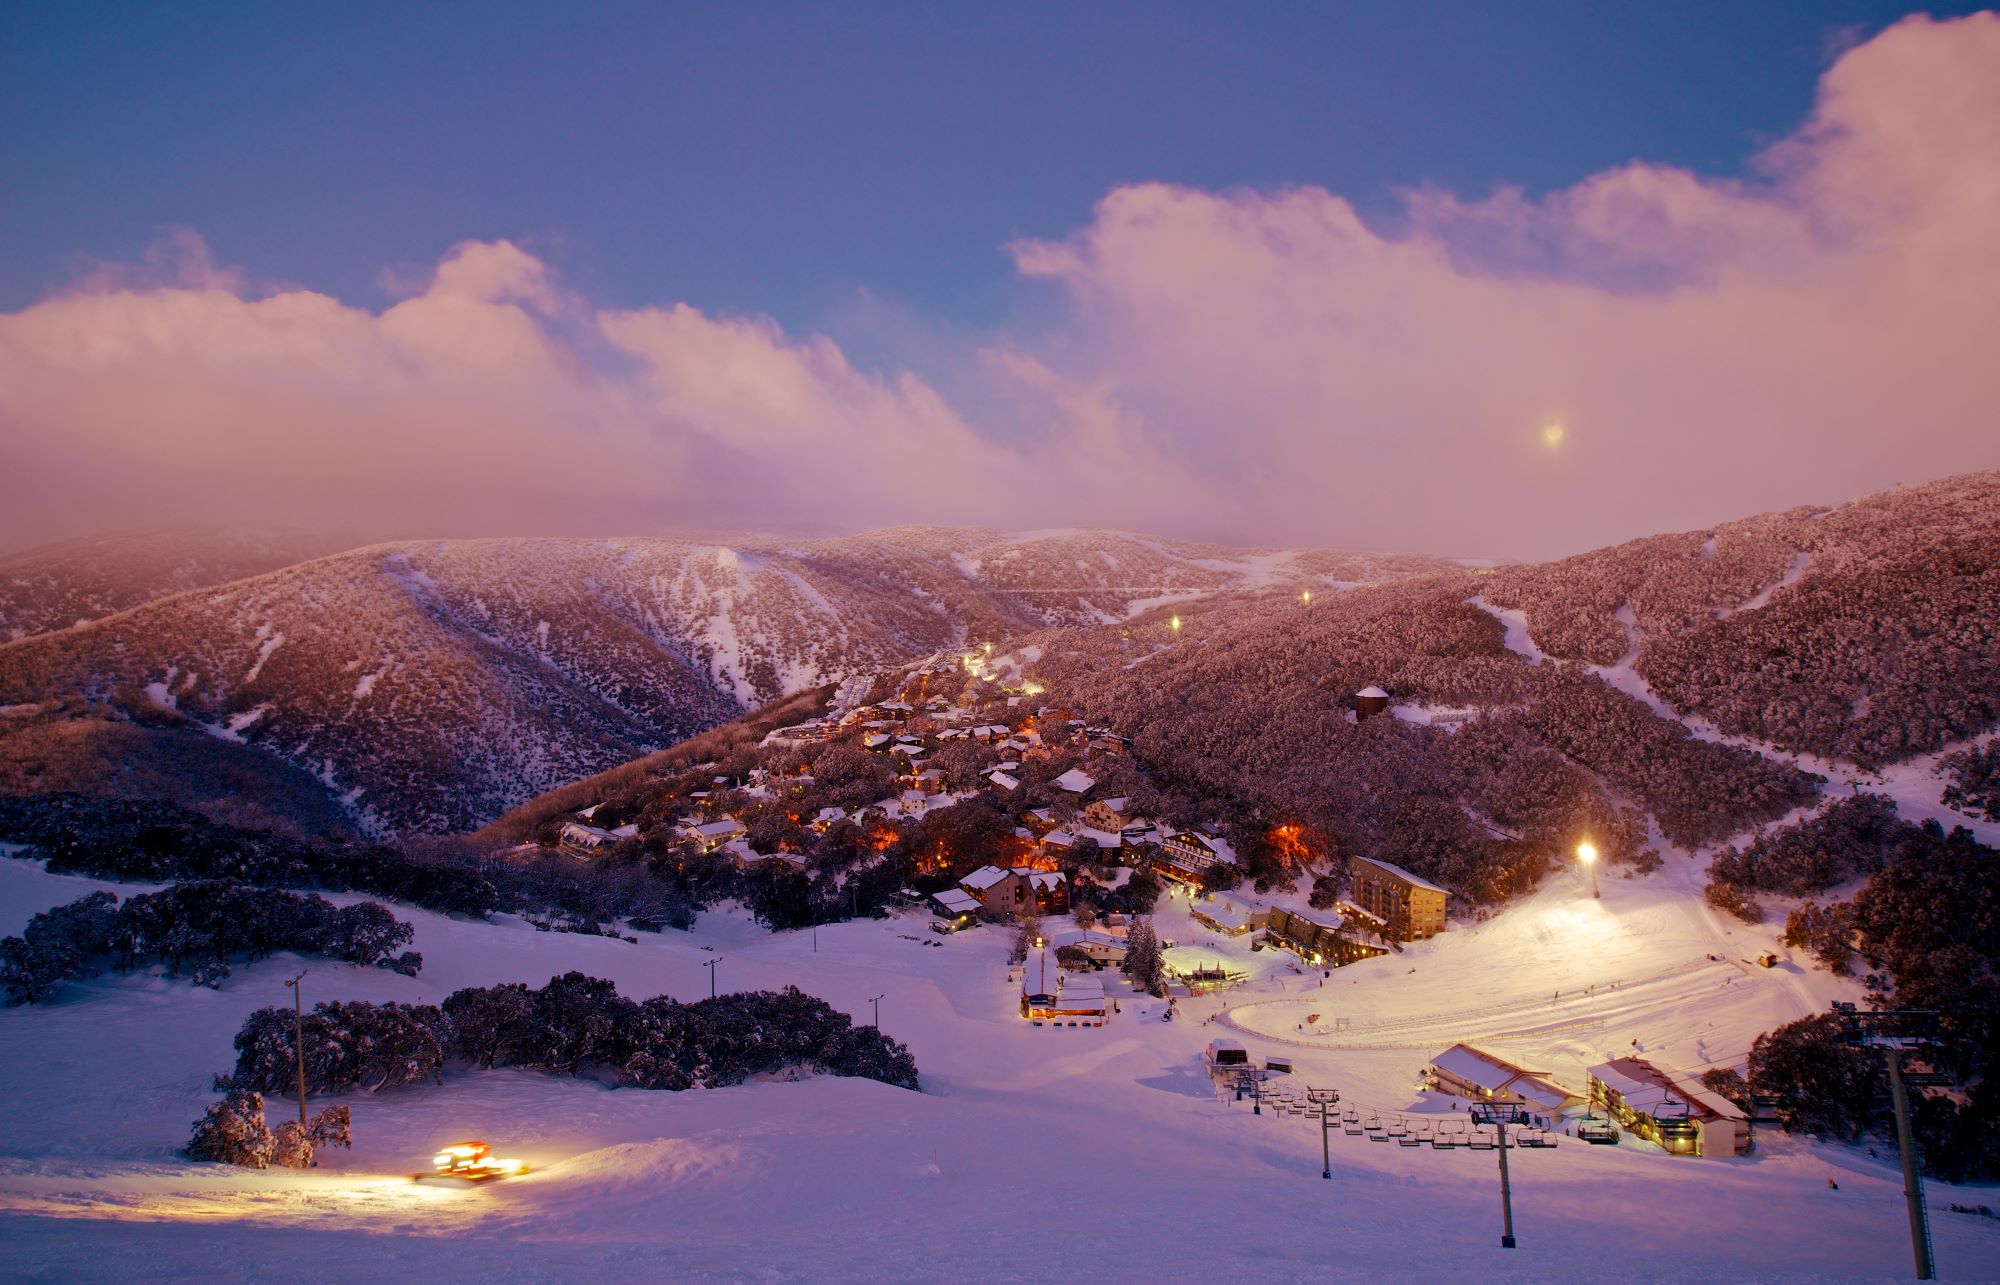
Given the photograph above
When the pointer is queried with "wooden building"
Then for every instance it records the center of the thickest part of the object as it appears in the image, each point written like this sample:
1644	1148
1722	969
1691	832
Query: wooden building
1412	908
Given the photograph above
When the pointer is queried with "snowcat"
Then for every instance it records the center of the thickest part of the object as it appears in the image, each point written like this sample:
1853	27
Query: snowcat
474	1162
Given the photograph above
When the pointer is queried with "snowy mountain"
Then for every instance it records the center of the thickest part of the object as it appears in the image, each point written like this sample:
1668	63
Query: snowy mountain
429	686
60	585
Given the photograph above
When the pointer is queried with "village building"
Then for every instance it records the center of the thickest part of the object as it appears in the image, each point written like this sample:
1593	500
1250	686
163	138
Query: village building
1370	701
1325	941
1412	908
1468	1072
1010	893
1004	780
1185	856
1102	949
1680	1116
798	734
1222	913
954	908
580	840
711	835
1076	782
1108	814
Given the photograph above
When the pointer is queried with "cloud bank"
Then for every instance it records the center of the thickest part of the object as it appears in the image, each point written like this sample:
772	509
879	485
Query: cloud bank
1251	366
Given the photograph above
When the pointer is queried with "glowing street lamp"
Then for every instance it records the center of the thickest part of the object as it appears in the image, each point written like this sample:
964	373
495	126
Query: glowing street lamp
1306	597
1586	852
1175	624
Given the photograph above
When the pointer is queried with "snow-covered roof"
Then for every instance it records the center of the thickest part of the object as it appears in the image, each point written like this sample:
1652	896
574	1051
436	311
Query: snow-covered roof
983	878
1044	880
1004	781
956	900
1102	838
717	829
1373	692
1075	781
1476	1067
1398	871
1647	1088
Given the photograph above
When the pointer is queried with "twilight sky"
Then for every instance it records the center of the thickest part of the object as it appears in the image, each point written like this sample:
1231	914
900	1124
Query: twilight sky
1319	274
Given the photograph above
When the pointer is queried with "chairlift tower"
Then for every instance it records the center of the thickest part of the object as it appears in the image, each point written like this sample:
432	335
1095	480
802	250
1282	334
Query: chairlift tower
1500	1115
1324	1099
1897	1032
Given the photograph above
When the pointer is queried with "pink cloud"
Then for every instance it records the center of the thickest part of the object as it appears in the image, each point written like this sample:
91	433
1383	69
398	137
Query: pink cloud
1257	366
1712	348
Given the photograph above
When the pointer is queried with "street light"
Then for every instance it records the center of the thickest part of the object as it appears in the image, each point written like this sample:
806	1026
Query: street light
710	966
299	1036
1586	852
877	1002
1500	1115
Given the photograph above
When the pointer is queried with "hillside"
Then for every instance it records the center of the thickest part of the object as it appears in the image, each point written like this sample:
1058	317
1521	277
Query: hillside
1676	690
430	686
56	586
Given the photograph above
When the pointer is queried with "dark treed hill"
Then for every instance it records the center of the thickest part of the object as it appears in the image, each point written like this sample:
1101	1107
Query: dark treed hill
56	586
71	748
1869	631
1490	766
732	743
429	687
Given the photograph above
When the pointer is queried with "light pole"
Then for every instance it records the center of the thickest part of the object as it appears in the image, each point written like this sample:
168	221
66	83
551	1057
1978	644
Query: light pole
1500	1115
1041	944
299	1040
877	1002
710	966
1325	1098
1586	852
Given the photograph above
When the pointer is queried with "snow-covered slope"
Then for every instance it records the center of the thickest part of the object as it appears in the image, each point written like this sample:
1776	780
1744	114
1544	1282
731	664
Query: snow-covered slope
429	686
1034	1153
59	585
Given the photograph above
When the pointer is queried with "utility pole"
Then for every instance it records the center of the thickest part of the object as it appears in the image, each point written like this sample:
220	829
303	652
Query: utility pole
1500	1115
1325	1098
710	966
299	1040
877	1002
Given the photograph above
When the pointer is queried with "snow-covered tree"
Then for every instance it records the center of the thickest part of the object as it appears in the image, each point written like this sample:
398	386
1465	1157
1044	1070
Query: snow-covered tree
233	1132
1143	961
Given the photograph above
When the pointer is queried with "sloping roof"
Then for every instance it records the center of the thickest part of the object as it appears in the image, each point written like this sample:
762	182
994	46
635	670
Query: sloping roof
983	878
1398	871
1075	781
1373	692
1004	781
1647	1088
716	829
956	900
1477	1066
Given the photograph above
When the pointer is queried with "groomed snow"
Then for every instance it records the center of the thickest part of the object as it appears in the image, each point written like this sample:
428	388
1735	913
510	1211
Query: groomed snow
1034	1153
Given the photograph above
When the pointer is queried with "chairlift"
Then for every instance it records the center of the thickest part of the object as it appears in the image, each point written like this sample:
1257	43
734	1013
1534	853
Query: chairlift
1598	1133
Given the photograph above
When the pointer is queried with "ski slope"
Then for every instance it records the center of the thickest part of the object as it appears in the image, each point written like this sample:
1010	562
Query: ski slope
1034	1153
